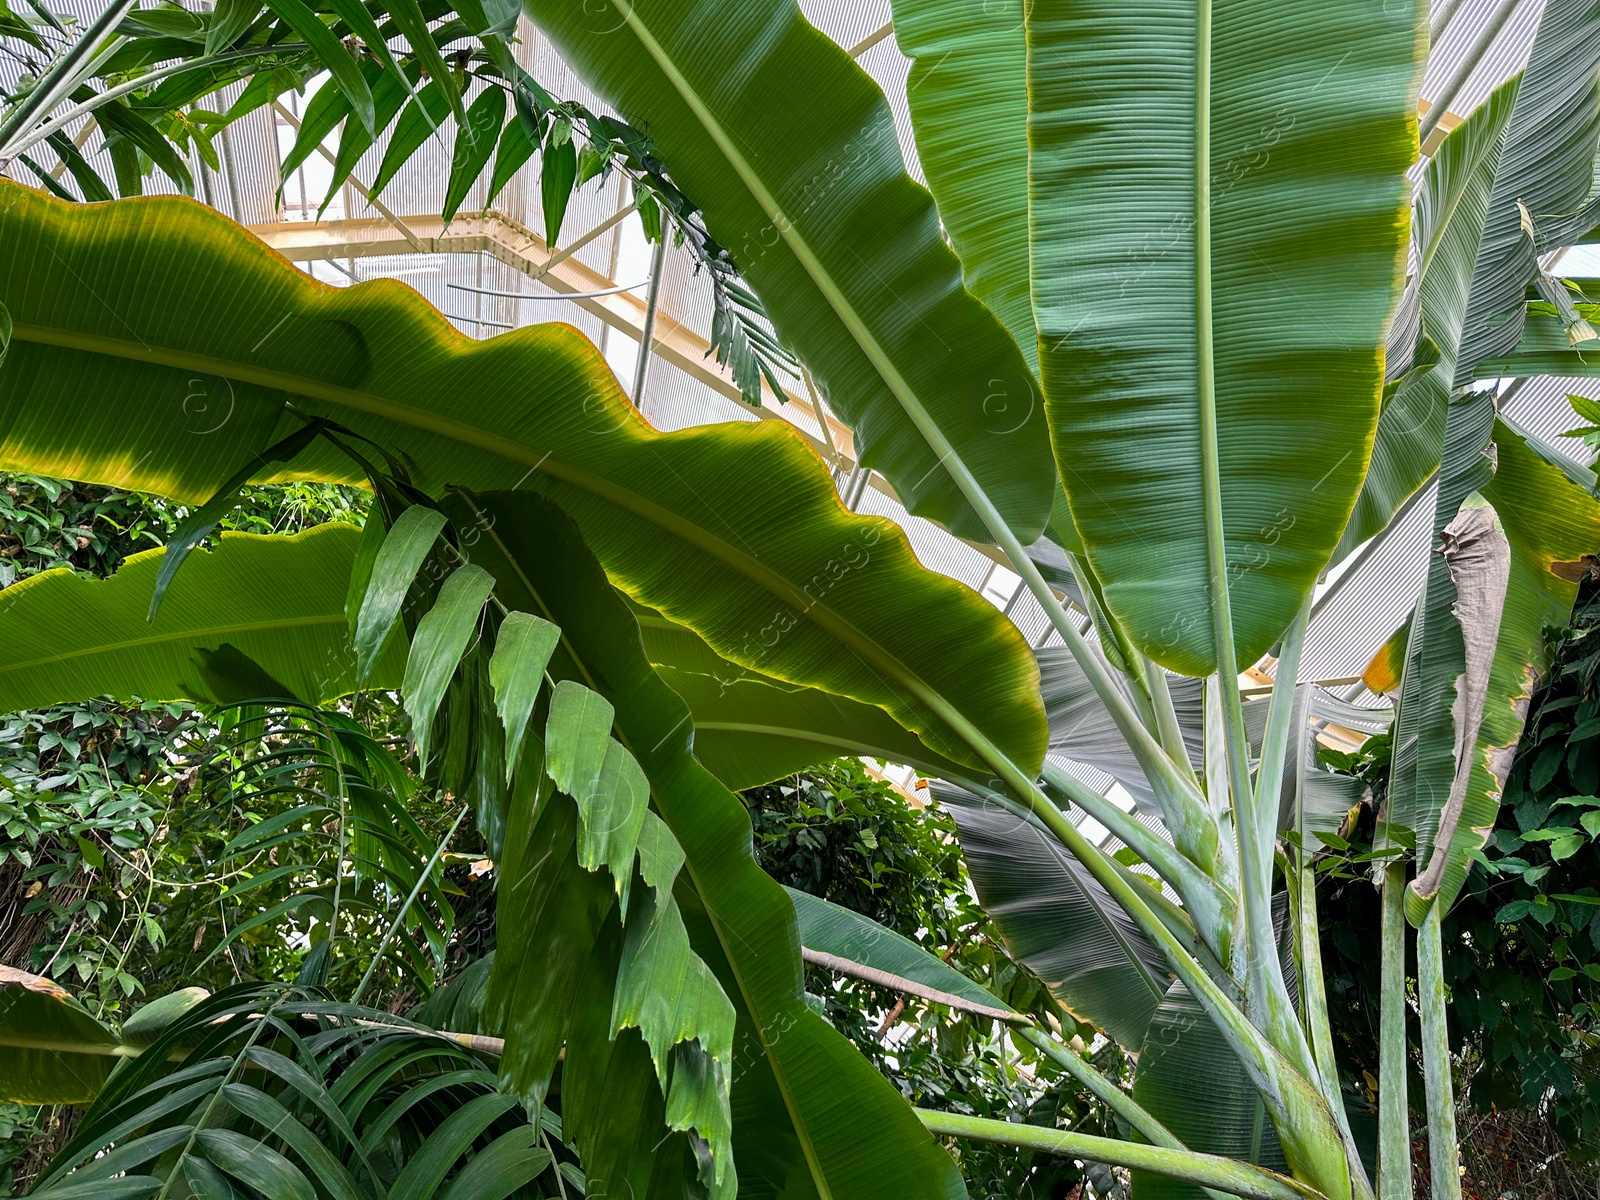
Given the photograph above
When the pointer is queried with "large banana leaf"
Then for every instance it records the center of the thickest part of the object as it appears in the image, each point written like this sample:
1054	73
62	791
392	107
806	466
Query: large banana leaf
968	94
1428	745
1545	349
1547	526
256	617
751	731
850	935
1451	207
814	1109
790	151
1218	209
55	1052
158	346
1082	729
1058	920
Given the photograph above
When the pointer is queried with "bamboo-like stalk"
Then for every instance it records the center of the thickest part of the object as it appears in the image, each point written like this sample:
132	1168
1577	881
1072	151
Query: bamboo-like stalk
1394	1115
63	75
1444	1155
1223	1174
26	140
400	916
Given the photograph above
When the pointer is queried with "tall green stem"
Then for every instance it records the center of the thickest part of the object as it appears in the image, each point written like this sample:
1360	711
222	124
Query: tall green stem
1224	1174
1394	1114
63	75
1113	1097
1444	1155
400	916
1208	905
1268	989
1167	727
25	140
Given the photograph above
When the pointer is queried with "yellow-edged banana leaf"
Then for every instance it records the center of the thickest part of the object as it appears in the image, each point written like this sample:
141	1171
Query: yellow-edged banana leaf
1219	218
1451	207
1545	528
158	346
790	151
968	95
55	1051
815	1116
256	617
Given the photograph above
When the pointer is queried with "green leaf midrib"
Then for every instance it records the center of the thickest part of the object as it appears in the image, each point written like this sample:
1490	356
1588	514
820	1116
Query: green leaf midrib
375	405
179	635
952	462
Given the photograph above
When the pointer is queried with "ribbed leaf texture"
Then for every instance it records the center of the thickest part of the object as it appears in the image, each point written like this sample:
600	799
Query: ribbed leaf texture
968	95
1300	119
790	151
258	617
157	344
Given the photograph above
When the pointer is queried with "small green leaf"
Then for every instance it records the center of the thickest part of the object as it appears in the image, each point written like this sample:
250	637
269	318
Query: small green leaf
611	814
372	537
441	639
428	1165
92	854
1591	823
522	652
354	14
556	179
510	1162
577	735
86	177
398	561
407	16
205	518
660	856
517	145
1564	848
420	118
475	141
331	53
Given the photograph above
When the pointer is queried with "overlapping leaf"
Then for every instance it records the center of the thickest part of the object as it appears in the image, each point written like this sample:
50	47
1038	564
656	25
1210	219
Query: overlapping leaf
137	372
790	151
806	1106
257	617
968	95
1262	304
